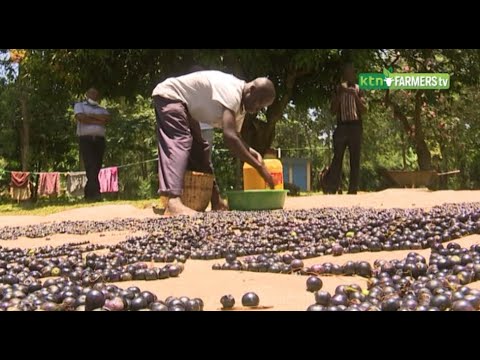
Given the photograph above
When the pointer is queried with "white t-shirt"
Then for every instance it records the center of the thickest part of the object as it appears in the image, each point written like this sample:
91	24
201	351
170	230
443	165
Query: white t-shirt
206	94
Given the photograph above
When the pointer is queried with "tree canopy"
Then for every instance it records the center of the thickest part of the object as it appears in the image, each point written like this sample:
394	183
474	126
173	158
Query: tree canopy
423	129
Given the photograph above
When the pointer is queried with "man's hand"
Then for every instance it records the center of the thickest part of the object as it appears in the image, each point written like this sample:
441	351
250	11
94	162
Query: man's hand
87	119
256	154
100	117
266	176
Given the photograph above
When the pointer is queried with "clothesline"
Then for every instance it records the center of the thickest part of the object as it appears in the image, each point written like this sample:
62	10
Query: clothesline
146	161
66	172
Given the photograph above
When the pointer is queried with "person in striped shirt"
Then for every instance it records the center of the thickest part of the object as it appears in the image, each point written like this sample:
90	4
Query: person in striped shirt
349	105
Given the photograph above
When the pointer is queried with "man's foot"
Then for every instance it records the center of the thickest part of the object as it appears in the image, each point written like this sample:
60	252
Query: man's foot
175	207
220	205
351	192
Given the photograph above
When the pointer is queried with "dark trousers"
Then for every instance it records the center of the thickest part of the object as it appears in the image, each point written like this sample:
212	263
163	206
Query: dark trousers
180	146
92	149
345	135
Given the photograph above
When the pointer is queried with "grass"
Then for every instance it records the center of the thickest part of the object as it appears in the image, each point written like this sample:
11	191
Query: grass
47	206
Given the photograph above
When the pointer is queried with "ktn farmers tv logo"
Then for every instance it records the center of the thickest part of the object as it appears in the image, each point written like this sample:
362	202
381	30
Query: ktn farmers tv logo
409	81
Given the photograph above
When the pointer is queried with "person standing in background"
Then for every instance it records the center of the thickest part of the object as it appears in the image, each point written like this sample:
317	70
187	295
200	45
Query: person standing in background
91	122
349	105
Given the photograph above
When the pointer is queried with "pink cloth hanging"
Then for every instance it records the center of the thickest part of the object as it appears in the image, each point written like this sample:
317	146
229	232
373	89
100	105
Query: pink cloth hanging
108	178
49	183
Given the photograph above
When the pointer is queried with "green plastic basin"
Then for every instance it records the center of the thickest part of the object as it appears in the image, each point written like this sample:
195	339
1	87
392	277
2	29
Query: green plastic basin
256	199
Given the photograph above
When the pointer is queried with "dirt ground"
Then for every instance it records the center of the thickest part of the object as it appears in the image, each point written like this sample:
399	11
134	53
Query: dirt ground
282	292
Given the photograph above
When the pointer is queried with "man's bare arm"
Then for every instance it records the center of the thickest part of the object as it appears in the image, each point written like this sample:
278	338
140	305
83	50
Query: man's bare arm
236	146
361	103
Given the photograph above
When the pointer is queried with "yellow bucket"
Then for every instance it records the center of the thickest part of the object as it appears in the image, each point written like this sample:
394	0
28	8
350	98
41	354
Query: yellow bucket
253	181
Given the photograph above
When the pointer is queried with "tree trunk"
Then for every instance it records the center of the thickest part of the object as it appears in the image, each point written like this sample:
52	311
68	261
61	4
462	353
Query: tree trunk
404	152
443	180
423	153
25	128
34	195
414	132
24	132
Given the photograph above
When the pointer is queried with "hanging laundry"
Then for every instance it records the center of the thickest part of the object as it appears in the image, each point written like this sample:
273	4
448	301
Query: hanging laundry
20	178
49	183
108	178
76	182
20	185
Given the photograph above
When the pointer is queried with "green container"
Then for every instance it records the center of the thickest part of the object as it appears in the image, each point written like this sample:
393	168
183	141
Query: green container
256	199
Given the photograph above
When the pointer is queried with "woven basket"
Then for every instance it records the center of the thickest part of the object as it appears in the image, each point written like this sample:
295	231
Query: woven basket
197	190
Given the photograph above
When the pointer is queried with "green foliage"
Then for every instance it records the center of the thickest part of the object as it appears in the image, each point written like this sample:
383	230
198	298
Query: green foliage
131	139
306	134
4	175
